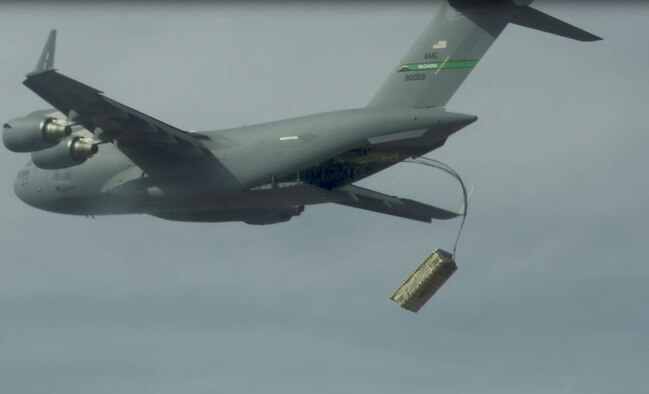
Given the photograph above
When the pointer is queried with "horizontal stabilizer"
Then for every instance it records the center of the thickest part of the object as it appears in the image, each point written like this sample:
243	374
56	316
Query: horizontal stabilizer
358	197
535	19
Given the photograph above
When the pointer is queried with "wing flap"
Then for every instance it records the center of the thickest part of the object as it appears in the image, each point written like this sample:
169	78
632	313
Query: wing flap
358	197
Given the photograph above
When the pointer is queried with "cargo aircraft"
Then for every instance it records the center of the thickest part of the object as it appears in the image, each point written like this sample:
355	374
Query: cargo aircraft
91	155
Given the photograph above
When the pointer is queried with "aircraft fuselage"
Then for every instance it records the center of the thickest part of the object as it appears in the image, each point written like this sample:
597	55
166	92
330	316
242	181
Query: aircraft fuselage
251	167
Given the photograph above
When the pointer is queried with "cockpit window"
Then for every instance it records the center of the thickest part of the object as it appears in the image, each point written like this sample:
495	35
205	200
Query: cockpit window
6	126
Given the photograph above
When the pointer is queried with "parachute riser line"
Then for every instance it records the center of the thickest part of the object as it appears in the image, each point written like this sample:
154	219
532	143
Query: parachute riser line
425	161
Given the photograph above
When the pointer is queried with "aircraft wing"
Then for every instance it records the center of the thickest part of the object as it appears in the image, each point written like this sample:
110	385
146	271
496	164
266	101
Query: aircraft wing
106	118
299	193
358	197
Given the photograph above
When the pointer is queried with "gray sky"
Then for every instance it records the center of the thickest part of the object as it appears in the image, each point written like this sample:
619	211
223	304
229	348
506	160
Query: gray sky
551	293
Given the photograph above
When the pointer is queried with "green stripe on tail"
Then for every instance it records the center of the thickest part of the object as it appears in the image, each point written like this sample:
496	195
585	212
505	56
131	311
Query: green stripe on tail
444	65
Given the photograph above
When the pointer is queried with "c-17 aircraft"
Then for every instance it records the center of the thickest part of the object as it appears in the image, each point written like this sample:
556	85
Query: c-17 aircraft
91	155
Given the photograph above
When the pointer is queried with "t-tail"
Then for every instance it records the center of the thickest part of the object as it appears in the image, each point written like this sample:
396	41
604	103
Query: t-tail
453	44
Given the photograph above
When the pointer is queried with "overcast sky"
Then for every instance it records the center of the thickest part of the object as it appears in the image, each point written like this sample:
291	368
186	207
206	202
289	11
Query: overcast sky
551	294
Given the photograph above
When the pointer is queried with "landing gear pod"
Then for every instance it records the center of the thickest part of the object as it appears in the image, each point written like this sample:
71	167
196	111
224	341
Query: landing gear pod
67	153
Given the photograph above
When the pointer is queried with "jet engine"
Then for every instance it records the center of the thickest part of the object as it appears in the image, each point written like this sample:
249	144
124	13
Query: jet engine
67	153
34	132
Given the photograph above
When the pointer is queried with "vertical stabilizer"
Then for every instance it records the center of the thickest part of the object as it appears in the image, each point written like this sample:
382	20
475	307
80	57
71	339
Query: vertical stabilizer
453	44
444	55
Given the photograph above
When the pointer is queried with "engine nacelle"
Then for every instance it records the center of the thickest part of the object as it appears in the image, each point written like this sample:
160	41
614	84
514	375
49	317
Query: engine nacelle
34	132
67	153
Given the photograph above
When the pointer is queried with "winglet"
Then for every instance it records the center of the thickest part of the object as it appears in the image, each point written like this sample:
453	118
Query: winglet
46	61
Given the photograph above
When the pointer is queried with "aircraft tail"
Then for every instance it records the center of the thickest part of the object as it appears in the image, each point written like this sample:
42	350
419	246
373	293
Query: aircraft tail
452	45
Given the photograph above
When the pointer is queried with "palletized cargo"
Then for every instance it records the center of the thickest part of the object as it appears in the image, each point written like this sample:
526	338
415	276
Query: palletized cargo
420	286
